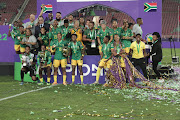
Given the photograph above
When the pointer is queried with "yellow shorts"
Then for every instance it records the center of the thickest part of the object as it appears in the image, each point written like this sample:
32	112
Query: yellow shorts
16	47
105	64
22	49
75	62
127	49
122	62
52	51
57	63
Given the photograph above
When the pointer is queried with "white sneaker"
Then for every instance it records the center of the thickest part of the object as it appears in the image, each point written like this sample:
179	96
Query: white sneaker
160	81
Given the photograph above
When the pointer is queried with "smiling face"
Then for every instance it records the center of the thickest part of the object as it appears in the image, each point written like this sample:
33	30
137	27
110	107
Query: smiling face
105	40
41	20
155	38
114	24
27	50
103	26
58	16
138	38
59	36
73	38
32	17
28	32
116	38
43	48
43	30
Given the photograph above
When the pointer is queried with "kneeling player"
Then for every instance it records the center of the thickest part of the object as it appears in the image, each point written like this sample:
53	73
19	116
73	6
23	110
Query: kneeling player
44	62
77	51
28	64
59	58
106	55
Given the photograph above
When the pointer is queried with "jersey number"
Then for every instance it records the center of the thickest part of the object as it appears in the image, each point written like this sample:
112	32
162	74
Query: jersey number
4	35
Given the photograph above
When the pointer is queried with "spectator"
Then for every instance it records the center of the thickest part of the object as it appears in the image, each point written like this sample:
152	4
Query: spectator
90	40
40	25
59	20
82	24
49	20
137	28
31	41
70	18
31	24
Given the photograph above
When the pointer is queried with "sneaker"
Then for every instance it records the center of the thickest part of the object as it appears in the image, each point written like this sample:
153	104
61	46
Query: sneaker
82	83
48	83
54	83
105	85
40	83
72	83
160	81
64	83
21	83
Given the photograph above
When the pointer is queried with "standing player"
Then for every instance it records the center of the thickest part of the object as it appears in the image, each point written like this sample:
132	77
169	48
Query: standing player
66	31
90	38
115	30
44	62
20	37
28	64
77	51
54	30
43	38
59	58
126	37
13	33
77	30
104	31
70	18
106	55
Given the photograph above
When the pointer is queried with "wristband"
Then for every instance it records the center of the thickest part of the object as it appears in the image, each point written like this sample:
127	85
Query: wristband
9	29
83	55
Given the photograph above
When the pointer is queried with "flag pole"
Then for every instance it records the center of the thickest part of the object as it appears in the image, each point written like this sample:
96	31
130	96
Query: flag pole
178	23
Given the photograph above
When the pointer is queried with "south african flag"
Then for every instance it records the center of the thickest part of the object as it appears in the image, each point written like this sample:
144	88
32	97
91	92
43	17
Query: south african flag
150	7
47	9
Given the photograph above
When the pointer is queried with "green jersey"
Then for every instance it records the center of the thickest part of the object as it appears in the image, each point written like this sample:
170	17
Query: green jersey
101	34
65	31
117	31
53	33
45	39
127	33
19	38
76	50
59	50
91	35
44	57
106	49
14	34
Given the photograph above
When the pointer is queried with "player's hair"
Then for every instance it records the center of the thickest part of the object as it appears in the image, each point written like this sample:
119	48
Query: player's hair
43	45
74	34
40	17
29	30
59	33
88	20
138	19
158	36
114	20
58	12
100	20
66	21
130	24
138	34
28	46
108	37
116	34
21	26
71	15
92	22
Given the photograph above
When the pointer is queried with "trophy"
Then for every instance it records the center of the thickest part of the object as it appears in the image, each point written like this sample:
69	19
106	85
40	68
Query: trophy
42	59
65	51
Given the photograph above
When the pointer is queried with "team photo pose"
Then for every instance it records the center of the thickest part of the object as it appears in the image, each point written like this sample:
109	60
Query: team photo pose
106	55
44	63
60	58
77	50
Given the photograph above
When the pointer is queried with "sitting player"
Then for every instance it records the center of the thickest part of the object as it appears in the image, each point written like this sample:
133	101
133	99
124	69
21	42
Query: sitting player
28	64
43	38
77	51
59	58
106	55
44	62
